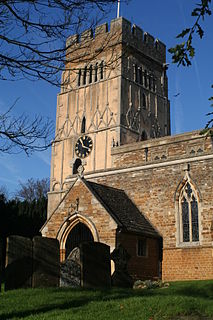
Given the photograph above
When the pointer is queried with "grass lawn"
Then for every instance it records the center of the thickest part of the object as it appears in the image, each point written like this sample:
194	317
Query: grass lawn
182	300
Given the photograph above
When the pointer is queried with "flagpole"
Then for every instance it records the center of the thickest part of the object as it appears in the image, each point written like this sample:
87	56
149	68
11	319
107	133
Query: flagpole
118	11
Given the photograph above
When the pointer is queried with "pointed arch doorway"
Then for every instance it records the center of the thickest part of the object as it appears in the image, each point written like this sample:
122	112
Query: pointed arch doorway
78	234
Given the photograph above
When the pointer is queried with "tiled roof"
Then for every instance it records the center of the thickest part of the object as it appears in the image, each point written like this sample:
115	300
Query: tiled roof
122	209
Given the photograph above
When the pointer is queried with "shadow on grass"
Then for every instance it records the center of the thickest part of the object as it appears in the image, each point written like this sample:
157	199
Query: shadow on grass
76	298
43	309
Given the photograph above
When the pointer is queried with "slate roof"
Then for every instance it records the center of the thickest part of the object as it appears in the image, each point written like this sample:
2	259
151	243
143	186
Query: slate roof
122	209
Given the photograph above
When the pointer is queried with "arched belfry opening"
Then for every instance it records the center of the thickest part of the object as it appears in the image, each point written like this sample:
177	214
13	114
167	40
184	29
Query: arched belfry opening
83	125
78	234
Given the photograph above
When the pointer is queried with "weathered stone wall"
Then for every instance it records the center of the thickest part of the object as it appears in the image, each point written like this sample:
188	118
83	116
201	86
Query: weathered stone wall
141	267
89	211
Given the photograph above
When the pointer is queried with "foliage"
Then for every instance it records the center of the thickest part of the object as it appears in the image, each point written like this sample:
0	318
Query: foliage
33	189
25	217
190	299
183	53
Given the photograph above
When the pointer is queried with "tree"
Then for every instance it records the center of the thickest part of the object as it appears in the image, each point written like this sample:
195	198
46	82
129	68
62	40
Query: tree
33	34
33	189
23	134
183	53
33	37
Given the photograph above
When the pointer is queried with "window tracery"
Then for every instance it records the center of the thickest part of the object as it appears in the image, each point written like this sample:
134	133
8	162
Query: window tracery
188	215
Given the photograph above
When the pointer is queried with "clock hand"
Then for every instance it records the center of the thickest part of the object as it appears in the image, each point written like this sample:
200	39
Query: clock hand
86	147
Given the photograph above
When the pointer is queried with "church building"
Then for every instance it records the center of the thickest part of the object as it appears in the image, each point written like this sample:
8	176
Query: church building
117	174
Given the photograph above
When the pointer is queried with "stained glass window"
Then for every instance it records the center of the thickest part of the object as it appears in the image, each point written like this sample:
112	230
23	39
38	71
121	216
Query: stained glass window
189	218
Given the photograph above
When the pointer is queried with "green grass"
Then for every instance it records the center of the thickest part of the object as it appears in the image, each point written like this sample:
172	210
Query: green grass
182	300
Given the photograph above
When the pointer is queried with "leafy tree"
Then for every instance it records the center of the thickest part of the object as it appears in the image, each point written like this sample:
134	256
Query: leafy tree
183	53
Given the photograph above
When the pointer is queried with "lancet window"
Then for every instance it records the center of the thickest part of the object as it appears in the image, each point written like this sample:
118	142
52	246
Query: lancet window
189	217
93	73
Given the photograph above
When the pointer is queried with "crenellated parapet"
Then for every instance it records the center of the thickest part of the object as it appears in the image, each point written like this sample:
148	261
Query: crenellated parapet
120	31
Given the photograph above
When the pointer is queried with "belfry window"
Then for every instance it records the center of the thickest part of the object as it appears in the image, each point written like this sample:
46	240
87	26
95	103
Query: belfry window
144	100
136	73
96	72
90	74
85	76
83	125
189	218
79	77
140	74
101	70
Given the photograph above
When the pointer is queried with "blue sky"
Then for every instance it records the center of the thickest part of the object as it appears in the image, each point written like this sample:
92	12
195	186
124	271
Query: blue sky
164	20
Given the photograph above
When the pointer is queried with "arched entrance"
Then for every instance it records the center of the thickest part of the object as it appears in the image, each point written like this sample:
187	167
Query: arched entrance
80	233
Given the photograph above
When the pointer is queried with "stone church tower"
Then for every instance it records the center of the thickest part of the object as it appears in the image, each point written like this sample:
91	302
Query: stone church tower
114	92
117	176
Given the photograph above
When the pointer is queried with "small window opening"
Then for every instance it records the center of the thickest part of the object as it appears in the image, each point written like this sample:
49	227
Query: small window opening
142	248
136	73
143	136
96	72
144	101
85	76
79	77
83	125
90	74
140	76
101	70
76	165
145	79
145	37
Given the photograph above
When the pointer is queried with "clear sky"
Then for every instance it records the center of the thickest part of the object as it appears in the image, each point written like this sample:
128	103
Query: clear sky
189	88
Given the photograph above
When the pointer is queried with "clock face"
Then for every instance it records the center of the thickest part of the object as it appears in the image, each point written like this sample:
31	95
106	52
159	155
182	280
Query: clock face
83	146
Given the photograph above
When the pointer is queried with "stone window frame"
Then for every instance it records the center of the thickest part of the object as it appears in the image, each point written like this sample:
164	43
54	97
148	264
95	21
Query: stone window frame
92	73
178	199
144	76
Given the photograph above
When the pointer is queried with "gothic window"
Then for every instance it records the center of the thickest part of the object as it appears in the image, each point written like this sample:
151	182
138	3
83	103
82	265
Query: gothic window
79	77
83	125
154	84
101	70
145	37
189	220
85	76
90	74
96	72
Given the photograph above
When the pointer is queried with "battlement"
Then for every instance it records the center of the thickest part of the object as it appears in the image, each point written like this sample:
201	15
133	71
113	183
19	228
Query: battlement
125	32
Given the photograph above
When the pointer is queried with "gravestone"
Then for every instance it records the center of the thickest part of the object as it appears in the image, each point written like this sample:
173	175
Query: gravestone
70	275
121	277
18	272
46	264
95	265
